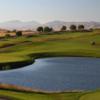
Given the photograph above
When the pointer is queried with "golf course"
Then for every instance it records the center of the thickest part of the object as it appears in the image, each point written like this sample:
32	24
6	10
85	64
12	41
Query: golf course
21	51
26	48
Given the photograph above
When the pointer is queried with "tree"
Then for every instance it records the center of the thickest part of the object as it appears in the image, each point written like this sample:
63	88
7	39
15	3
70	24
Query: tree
40	29
19	33
81	27
50	29
47	29
64	28
73	27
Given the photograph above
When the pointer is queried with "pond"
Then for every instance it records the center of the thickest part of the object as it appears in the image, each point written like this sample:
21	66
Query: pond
57	74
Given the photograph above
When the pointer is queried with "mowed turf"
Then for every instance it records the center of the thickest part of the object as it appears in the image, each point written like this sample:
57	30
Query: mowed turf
15	95
61	44
91	96
40	96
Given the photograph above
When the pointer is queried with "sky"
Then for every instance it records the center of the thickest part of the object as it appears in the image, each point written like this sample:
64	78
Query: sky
48	10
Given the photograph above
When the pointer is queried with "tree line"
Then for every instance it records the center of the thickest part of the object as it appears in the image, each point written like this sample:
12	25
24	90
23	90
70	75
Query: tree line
73	28
63	28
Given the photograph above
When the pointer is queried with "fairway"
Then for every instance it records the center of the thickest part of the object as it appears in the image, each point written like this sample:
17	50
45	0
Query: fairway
91	96
52	96
27	49
41	96
61	44
49	50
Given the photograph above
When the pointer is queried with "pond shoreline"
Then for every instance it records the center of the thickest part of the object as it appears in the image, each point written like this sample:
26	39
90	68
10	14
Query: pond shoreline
26	89
26	63
33	57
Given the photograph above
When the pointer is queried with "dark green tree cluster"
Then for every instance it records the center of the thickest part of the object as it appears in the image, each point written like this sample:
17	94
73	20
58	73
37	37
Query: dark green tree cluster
40	29
75	28
44	29
81	27
63	28
47	29
19	33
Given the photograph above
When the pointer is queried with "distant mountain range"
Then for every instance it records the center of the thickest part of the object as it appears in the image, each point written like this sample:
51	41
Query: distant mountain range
20	25
32	25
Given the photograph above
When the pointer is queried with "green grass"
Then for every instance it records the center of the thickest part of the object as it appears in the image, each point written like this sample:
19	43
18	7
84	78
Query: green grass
91	96
15	95
64	44
41	96
24	49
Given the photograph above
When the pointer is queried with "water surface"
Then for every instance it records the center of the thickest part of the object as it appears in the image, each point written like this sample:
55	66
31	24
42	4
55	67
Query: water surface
57	74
